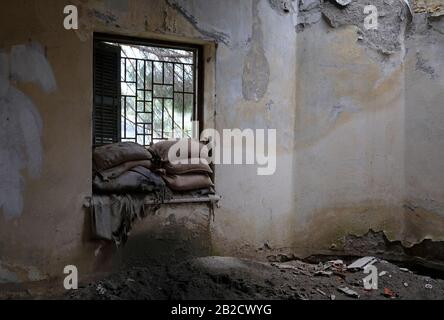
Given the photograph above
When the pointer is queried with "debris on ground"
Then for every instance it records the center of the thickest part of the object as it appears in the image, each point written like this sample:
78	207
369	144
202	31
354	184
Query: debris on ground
228	278
349	292
100	289
389	293
323	273
361	263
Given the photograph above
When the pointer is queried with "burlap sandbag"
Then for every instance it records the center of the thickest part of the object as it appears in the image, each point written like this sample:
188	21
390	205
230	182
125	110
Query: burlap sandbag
124	167
113	155
188	182
137	180
162	148
177	169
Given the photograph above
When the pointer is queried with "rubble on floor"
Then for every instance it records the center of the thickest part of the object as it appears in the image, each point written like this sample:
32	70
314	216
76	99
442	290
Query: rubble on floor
233	278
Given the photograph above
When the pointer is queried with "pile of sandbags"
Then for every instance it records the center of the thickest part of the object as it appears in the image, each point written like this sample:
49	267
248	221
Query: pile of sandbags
124	173
111	160
123	176
127	167
124	168
195	175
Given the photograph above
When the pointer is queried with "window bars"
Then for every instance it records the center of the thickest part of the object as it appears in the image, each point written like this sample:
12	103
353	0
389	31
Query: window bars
158	91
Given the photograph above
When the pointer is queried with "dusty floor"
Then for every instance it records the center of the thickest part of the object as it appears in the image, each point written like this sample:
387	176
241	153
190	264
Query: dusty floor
232	278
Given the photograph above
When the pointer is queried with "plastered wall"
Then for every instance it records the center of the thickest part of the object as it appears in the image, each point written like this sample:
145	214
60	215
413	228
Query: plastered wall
345	107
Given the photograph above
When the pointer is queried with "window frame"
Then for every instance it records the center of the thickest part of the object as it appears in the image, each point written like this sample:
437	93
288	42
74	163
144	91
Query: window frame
198	63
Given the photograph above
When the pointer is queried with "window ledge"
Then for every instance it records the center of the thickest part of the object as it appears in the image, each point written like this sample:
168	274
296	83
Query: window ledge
214	199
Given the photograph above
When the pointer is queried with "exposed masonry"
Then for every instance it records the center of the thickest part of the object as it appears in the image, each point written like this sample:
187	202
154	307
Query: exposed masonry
428	253
283	7
431	7
309	13
387	38
391	17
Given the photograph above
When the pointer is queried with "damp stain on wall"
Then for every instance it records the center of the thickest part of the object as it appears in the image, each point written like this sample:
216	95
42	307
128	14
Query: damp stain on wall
256	74
20	122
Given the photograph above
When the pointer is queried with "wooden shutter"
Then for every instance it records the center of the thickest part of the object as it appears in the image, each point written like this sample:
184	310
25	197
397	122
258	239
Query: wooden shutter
106	117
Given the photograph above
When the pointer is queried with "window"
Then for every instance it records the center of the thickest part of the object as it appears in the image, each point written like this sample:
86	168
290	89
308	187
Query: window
145	91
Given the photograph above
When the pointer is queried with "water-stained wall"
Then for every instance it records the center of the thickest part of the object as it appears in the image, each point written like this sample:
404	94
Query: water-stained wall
349	144
344	102
368	125
424	133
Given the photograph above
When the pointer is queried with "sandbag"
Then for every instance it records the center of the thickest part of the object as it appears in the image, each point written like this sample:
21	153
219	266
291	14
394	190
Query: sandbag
188	182
124	167
113	155
136	180
178	169
162	148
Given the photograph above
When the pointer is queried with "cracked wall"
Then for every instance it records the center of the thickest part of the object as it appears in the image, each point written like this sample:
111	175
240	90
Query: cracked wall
371	124
355	152
241	92
424	118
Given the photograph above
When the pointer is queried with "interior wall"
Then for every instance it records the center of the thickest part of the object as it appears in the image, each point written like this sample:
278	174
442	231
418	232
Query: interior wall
48	228
51	230
347	128
423	130
349	150
368	123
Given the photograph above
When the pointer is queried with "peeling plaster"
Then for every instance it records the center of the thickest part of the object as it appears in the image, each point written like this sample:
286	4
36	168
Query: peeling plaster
20	123
206	31
433	7
427	251
256	74
387	38
282	7
309	13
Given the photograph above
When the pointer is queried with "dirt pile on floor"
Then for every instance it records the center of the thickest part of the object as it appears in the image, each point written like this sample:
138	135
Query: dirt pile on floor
232	278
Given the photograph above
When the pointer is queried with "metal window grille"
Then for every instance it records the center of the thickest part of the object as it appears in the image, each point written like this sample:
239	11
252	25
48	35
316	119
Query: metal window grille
159	94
